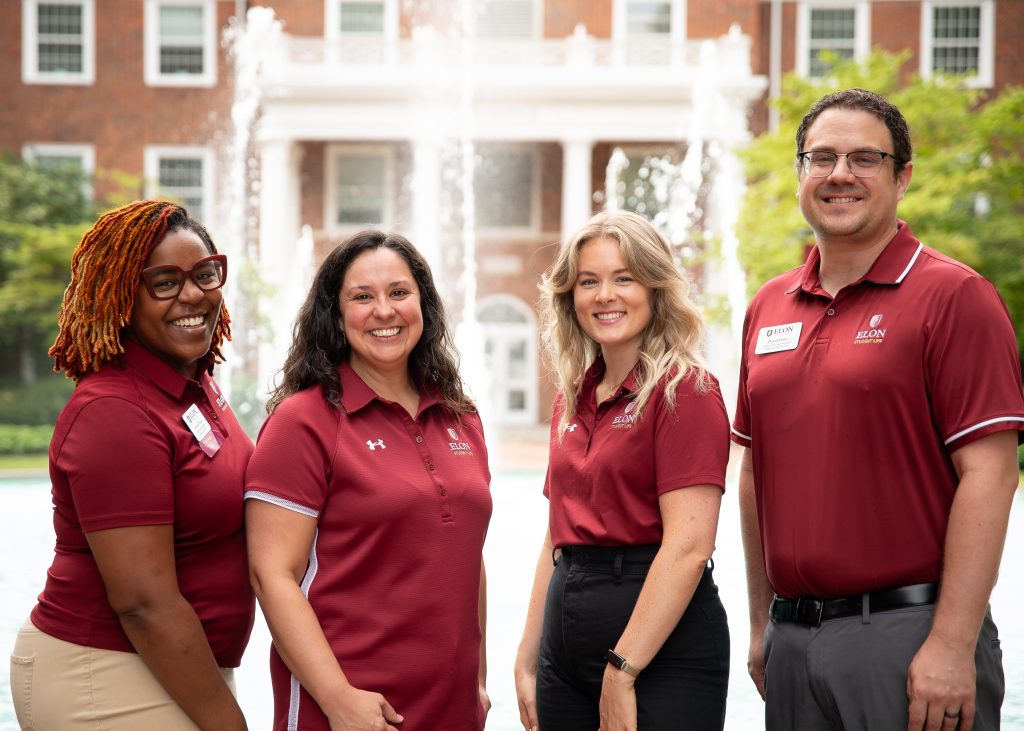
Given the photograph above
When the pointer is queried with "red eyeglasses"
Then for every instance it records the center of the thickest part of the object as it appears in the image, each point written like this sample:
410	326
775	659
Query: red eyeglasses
165	282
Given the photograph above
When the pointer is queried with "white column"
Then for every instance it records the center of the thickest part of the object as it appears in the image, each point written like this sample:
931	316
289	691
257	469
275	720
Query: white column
577	196
279	233
426	205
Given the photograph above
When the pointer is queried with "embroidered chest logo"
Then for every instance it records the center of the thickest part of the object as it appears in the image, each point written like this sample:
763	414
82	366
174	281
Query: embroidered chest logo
872	334
221	401
571	427
373	445
626	419
458	446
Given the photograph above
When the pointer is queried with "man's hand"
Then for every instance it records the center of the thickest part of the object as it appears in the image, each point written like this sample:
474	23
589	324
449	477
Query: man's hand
941	687
755	659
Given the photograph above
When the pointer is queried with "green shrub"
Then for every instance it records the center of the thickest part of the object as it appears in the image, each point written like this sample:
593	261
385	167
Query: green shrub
15	439
34	404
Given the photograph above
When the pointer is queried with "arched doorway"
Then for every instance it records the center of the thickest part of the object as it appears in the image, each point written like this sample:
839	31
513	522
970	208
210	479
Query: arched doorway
510	353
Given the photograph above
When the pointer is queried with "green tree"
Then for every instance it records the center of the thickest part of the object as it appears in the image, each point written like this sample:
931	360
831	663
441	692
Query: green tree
42	216
966	196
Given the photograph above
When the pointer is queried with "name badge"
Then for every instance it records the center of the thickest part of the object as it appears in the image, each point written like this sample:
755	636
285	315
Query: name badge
208	440
776	338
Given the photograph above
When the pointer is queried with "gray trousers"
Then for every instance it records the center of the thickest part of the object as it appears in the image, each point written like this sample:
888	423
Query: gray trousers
851	675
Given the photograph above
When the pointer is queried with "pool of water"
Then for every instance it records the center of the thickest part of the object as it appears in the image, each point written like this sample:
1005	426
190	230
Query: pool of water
513	543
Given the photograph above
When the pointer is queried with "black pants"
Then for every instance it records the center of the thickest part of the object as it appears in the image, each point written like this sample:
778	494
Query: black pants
590	599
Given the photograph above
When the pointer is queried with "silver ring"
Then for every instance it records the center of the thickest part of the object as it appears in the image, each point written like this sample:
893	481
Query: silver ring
947	714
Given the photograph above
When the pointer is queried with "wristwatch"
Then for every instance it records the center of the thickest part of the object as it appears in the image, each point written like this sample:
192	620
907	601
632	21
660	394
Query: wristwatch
618	661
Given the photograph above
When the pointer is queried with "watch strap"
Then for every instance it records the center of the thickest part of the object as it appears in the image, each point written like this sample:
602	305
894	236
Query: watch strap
618	661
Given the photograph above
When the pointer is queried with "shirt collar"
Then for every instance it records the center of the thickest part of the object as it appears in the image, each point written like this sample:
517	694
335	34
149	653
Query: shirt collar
897	258
155	369
356	395
595	373
890	267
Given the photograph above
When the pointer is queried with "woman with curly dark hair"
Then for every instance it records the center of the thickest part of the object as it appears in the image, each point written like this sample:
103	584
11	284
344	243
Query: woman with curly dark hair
147	607
367	504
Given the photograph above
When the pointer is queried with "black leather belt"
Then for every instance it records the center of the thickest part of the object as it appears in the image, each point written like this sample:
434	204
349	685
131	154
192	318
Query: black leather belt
811	611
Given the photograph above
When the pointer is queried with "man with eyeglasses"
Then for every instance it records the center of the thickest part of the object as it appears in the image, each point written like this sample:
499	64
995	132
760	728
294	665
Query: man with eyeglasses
880	409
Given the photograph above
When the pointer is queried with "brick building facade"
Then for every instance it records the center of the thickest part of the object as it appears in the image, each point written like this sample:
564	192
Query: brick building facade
366	110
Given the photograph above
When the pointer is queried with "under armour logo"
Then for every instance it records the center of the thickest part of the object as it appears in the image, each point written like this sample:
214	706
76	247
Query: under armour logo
571	427
374	445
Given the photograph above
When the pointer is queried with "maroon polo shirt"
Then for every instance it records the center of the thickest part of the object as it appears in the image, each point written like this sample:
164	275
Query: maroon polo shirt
121	455
605	477
402	506
852	405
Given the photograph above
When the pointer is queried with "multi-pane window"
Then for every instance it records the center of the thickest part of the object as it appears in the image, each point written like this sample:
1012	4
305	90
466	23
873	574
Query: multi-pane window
833	31
181	42
181	39
830	32
649	32
506	19
59	30
358	185
646	18
60	163
360	31
361	17
67	160
350	19
58	41
182	174
182	178
504	186
958	37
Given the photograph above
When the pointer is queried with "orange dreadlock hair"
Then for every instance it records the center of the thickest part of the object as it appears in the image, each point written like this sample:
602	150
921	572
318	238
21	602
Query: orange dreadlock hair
105	271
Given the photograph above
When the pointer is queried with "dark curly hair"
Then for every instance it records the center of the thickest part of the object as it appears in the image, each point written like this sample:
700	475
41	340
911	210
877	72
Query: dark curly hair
872	103
319	347
105	271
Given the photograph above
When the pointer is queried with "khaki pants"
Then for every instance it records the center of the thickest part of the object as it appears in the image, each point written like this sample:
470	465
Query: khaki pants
60	686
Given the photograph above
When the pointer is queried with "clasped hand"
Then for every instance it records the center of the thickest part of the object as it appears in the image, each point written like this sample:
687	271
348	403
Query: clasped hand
363	710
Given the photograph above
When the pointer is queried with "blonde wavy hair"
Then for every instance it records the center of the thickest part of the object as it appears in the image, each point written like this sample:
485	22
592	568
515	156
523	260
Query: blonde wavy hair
671	341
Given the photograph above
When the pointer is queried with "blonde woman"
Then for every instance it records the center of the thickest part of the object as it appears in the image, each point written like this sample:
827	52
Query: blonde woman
625	629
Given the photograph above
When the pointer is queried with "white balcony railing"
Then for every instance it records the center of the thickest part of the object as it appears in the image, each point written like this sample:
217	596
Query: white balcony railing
303	57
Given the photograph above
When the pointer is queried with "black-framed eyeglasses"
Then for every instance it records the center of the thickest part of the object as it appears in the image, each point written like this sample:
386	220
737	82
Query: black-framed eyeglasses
862	163
164	282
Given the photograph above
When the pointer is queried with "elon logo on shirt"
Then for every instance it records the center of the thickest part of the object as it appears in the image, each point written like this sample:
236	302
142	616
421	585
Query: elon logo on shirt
872	334
626	419
459	447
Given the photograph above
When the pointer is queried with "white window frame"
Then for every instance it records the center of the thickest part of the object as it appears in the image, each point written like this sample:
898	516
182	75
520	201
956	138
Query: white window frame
507	332
151	169
30	73
332	25
151	52
985	78
533	227
537	25
31	151
677	21
387	153
861	33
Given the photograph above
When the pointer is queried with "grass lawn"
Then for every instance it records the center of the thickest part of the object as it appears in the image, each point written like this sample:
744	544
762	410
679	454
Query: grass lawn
22	462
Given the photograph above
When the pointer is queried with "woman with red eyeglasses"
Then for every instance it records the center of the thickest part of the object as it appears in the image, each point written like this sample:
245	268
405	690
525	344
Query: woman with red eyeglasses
147	606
